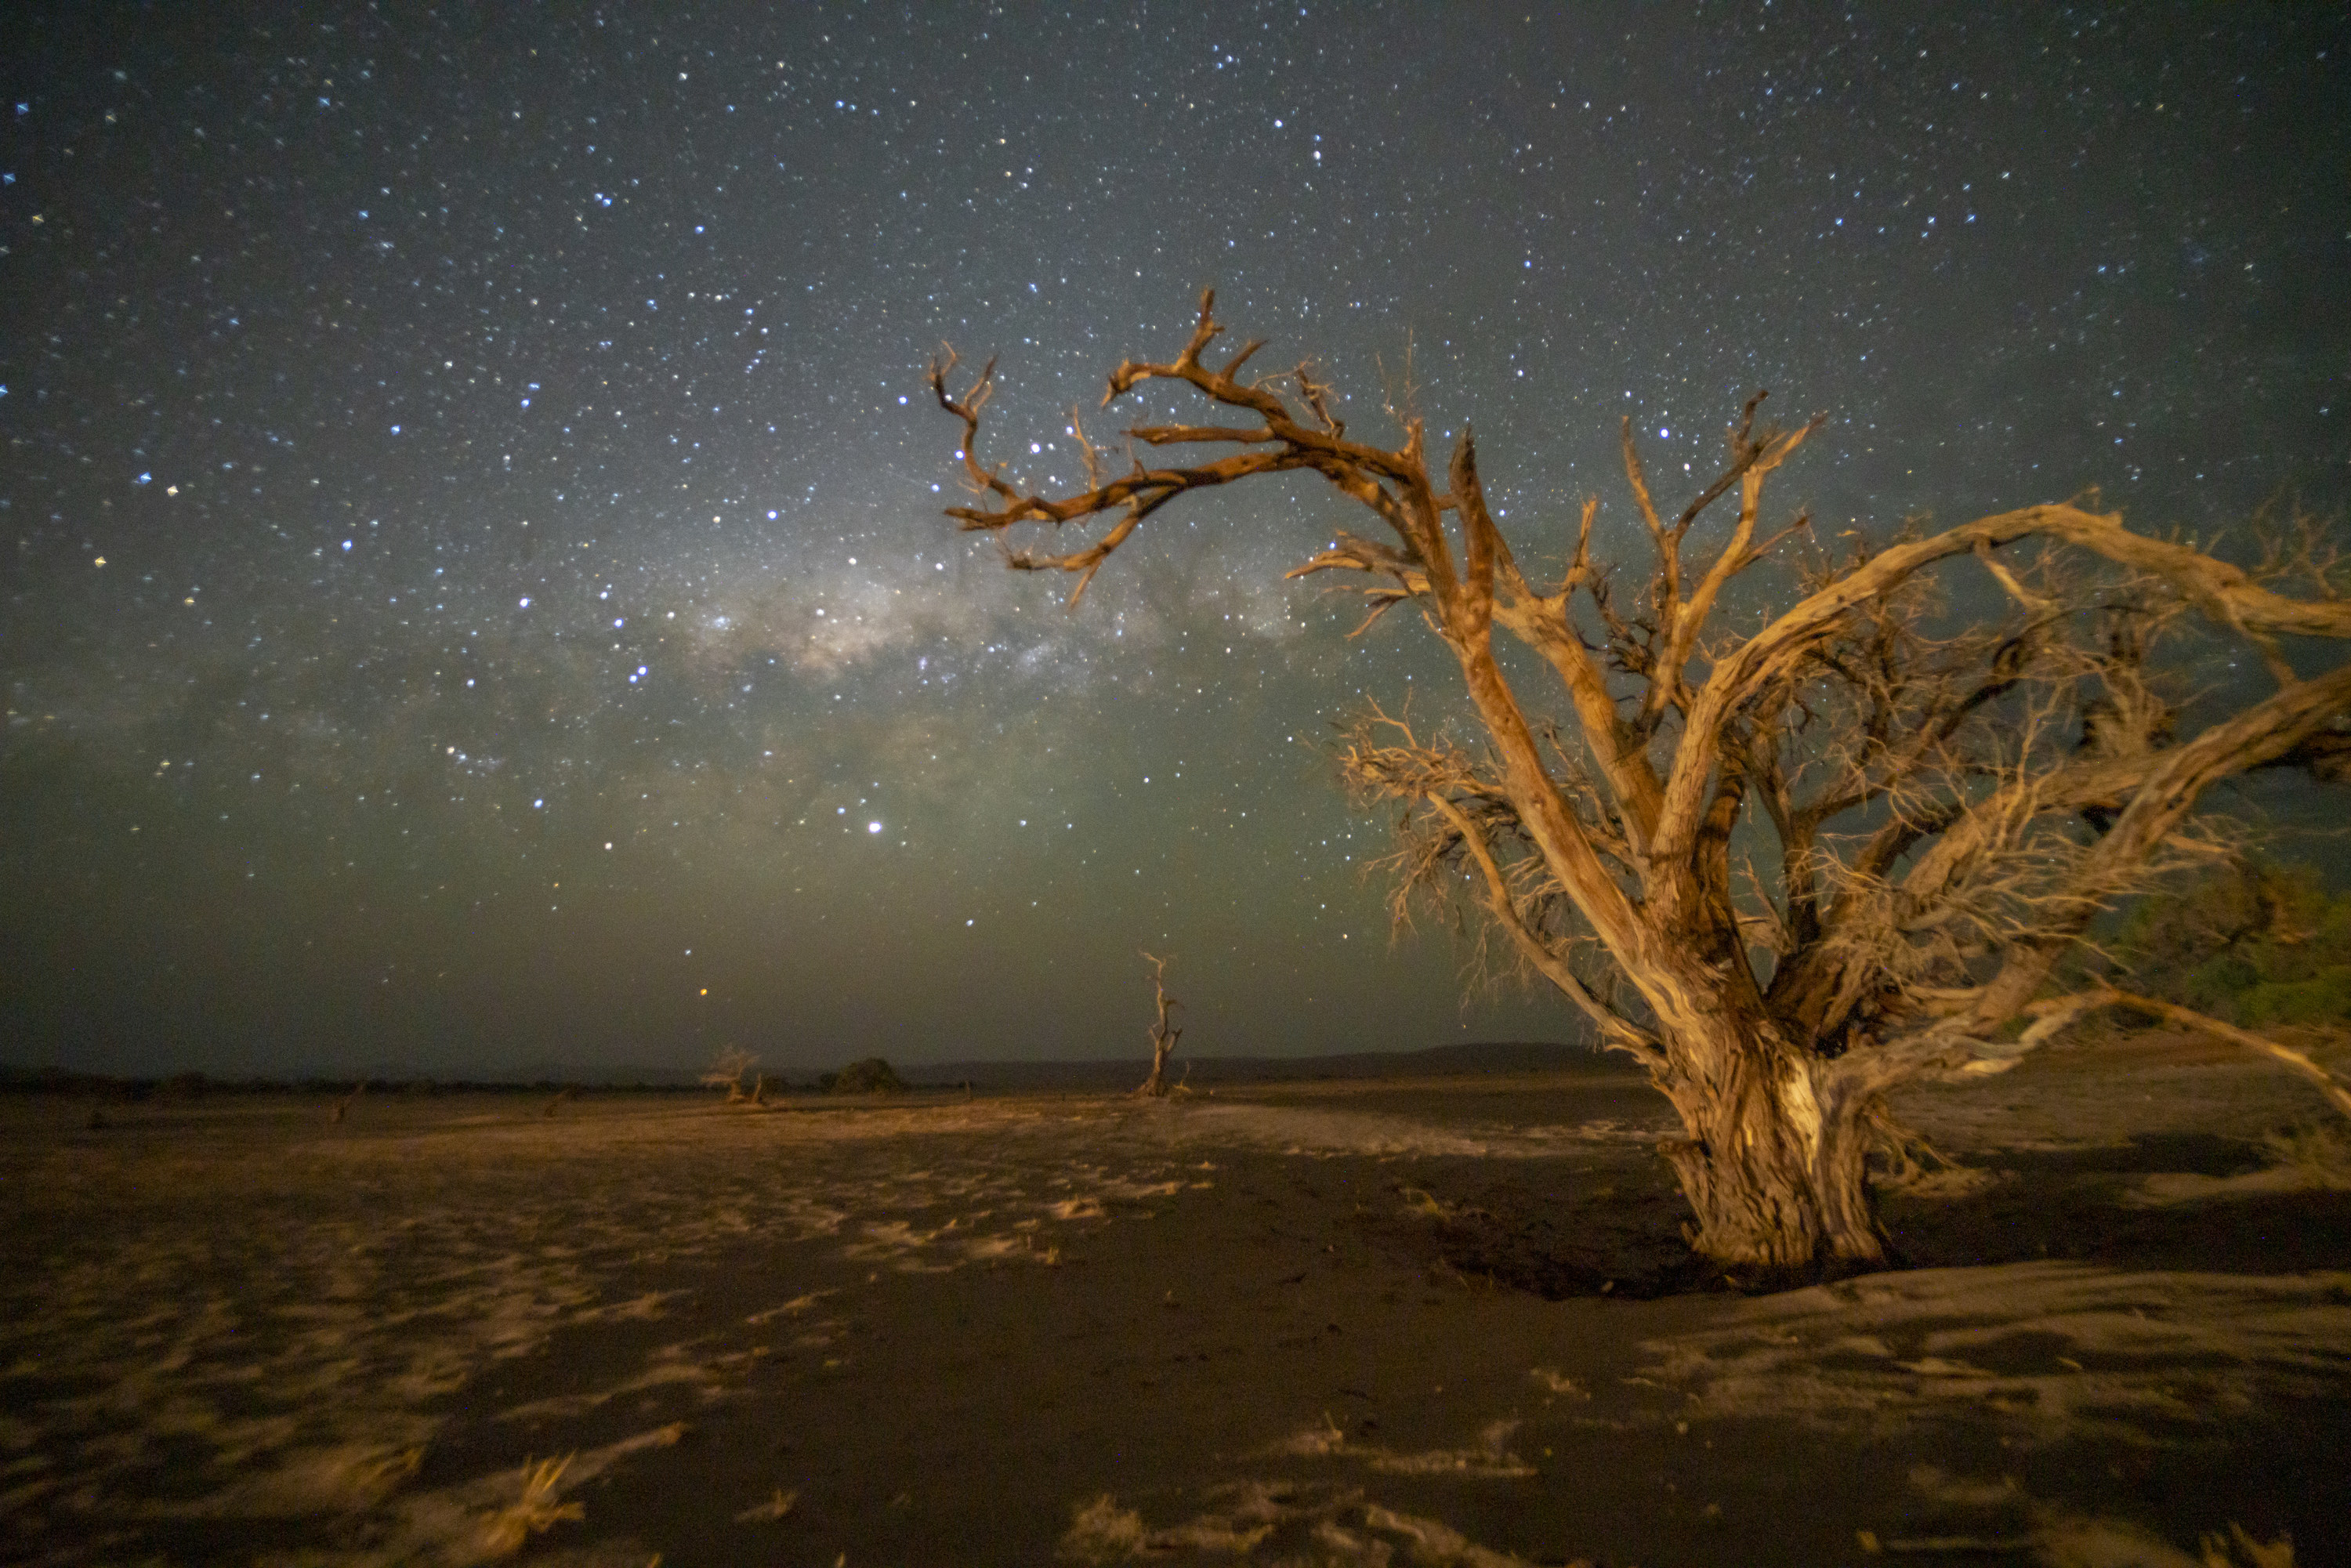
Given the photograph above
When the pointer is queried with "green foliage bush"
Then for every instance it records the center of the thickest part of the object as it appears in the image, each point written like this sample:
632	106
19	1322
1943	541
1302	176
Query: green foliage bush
2322	998
2259	946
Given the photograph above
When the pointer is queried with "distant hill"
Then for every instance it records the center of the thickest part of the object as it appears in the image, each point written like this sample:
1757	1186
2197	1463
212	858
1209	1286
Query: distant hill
1115	1073
1211	1071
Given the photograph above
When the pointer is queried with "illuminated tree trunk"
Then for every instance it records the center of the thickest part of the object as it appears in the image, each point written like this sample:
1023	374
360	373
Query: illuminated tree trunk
1774	1159
1163	1036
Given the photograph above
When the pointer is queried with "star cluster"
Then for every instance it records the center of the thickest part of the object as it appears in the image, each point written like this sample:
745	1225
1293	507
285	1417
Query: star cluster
476	594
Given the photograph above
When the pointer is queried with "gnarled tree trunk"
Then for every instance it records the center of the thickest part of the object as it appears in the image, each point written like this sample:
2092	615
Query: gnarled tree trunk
1774	1159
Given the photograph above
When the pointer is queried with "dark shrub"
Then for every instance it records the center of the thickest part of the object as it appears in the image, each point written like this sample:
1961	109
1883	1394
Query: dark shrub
871	1076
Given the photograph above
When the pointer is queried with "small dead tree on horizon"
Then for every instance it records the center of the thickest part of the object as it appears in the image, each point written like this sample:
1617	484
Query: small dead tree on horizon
1788	865
726	1071
1162	1038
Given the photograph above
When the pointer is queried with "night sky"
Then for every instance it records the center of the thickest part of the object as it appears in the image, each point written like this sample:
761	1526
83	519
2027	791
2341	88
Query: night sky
476	595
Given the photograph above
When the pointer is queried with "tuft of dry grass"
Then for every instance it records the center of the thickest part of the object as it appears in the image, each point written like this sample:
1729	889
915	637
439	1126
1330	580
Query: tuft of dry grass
2239	1550
536	1511
2060	1538
1418	1200
773	1509
2322	1152
1102	1531
1339	1523
1559	1383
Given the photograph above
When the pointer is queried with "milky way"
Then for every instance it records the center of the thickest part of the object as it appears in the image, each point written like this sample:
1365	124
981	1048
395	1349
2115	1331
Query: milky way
477	594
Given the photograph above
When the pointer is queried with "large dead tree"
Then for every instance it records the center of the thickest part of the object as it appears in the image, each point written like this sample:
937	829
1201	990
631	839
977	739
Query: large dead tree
1789	863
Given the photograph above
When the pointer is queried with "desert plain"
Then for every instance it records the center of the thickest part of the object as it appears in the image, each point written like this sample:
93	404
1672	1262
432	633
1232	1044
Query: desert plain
1370	1321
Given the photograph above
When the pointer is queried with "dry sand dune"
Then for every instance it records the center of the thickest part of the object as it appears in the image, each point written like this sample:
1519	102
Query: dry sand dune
1444	1321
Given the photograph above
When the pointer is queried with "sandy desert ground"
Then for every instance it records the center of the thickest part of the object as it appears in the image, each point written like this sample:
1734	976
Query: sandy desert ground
1434	1321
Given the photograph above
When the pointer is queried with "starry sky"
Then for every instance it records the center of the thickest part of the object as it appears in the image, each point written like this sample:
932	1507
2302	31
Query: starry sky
476	597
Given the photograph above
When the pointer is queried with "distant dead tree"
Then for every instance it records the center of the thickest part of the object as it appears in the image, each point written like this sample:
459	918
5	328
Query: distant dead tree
726	1072
1162	1038
1791	861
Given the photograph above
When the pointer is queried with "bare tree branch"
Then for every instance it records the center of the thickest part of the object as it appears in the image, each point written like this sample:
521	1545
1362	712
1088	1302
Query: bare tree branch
2337	1093
1615	1032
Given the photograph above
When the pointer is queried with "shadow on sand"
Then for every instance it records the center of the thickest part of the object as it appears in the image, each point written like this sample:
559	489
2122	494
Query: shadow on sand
1622	1235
